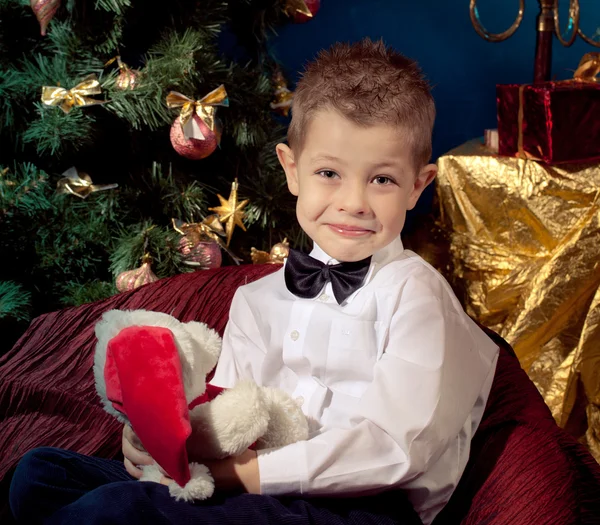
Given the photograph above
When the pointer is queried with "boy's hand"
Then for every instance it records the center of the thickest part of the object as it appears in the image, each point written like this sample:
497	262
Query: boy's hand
134	453
229	473
236	472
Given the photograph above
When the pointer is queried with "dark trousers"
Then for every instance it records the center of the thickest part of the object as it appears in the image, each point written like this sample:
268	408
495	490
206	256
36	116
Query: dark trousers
54	486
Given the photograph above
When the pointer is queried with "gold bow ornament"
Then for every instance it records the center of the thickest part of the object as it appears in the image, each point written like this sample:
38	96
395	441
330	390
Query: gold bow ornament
209	229
205	108
279	252
80	185
66	99
588	69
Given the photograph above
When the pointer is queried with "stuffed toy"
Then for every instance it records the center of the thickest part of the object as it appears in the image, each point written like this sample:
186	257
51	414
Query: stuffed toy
151	373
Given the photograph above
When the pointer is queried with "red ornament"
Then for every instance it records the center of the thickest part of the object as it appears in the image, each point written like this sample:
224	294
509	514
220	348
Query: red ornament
44	11
313	6
191	148
203	255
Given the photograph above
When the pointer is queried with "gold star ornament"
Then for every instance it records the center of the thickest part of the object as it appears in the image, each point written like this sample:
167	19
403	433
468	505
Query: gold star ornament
230	212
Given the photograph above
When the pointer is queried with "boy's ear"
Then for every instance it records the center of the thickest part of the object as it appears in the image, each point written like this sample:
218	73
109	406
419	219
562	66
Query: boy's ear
424	179
286	159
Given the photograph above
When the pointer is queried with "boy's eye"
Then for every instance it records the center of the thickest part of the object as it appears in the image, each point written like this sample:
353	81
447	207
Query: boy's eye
327	174
382	180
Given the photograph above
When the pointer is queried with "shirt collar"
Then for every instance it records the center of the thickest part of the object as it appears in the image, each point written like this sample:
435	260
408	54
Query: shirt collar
379	259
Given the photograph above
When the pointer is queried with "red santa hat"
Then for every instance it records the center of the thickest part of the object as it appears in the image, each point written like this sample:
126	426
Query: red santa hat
150	370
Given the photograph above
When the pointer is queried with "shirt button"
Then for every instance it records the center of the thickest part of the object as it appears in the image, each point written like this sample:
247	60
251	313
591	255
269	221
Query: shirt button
323	297
294	335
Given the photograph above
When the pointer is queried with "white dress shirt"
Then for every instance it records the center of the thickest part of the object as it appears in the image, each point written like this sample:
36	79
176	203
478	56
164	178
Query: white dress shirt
394	380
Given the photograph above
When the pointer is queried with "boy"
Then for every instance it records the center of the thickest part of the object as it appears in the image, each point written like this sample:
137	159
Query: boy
391	372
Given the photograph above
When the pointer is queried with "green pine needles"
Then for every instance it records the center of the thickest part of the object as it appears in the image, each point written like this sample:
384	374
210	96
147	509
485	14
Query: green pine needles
62	248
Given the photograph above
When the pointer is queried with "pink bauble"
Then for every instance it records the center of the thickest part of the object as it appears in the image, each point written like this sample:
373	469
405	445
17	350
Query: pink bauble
313	7
193	149
203	255
44	11
132	279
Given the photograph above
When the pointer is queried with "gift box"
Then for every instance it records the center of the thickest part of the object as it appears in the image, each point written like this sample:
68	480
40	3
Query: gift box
553	122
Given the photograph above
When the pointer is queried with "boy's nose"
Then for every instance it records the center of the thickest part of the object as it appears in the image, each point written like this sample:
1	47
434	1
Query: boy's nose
352	199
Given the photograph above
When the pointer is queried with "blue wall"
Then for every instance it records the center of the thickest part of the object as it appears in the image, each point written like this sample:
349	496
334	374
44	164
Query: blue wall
463	68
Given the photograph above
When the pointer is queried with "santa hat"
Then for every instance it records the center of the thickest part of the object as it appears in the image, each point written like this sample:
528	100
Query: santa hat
149	369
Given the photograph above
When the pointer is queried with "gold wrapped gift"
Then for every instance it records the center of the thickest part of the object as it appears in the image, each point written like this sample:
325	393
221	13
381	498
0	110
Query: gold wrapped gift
525	246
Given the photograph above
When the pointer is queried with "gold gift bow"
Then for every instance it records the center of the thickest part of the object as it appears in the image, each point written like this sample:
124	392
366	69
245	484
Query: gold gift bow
205	108
210	228
66	99
587	71
80	185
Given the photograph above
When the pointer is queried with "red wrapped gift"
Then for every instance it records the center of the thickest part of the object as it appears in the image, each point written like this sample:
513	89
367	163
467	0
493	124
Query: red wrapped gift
552	121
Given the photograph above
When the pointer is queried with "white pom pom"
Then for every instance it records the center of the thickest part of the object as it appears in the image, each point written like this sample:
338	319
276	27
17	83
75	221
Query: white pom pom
201	486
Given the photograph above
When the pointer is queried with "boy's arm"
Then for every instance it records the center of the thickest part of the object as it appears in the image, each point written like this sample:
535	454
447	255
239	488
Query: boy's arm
418	408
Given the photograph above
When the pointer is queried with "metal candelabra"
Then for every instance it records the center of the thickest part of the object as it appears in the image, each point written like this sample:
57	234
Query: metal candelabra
547	25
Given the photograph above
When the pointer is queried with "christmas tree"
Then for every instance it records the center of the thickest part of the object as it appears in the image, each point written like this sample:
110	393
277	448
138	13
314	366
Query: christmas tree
120	124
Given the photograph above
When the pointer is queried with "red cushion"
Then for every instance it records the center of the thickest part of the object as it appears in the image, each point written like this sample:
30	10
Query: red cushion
524	469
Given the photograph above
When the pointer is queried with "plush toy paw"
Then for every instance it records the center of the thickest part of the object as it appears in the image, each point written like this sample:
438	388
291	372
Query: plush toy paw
231	422
201	486
287	422
151	473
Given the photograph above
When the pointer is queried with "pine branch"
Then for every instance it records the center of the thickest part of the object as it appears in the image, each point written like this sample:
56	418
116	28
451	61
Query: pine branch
142	106
178	199
160	242
75	294
250	93
73	242
112	37
181	60
115	6
24	190
15	302
10	98
57	133
12	4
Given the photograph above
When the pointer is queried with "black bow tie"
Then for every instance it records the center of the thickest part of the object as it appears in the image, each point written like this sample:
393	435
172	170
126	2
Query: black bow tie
305	276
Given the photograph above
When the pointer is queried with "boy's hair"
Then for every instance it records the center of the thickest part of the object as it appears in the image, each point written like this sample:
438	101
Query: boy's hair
368	84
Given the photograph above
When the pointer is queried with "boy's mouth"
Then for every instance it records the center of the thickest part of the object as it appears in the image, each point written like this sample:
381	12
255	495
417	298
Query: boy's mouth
349	230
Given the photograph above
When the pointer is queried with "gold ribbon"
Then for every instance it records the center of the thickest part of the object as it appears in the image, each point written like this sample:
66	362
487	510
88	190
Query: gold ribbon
587	71
80	185
205	108
66	99
589	68
209	229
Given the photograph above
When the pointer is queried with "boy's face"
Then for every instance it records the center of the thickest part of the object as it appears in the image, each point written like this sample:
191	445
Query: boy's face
354	185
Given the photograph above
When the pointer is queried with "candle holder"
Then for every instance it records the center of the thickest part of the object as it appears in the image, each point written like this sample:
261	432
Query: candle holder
547	25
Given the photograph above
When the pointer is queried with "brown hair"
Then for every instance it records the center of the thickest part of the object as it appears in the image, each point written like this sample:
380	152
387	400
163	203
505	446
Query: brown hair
369	84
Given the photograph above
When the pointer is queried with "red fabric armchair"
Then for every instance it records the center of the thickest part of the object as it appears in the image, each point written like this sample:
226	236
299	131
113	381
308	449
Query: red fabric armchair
523	469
